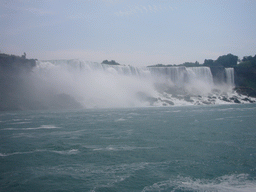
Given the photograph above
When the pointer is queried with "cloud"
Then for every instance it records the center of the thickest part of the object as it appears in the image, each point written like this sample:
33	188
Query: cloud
142	9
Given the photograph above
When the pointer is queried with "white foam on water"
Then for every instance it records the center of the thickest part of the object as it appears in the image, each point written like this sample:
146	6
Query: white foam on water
120	119
44	127
21	122
67	152
227	183
119	148
33	128
20	153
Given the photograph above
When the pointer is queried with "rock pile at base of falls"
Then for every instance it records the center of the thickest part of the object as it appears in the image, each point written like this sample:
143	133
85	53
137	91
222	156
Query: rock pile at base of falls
168	99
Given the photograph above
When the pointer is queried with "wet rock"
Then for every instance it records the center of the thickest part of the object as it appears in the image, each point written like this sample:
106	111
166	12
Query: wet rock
167	101
207	102
236	100
250	92
197	103
187	98
247	99
224	99
211	99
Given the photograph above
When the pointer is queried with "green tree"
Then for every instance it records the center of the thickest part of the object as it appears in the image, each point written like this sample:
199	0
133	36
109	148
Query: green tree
112	62
208	62
228	60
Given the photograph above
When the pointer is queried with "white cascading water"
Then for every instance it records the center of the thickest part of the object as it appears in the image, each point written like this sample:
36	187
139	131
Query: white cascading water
202	73
230	76
101	85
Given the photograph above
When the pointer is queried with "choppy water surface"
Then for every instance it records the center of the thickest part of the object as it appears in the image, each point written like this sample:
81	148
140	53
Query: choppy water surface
192	148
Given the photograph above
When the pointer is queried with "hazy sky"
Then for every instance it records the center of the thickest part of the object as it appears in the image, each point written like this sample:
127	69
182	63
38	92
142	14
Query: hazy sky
135	32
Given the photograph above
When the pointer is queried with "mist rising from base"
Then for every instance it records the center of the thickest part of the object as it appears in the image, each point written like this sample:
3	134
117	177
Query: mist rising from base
75	83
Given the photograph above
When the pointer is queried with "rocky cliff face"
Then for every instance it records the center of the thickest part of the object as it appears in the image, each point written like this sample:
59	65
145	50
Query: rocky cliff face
245	80
14	71
19	88
245	77
15	65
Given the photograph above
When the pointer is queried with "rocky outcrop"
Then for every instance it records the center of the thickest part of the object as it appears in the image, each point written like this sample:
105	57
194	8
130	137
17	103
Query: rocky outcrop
19	91
11	64
250	92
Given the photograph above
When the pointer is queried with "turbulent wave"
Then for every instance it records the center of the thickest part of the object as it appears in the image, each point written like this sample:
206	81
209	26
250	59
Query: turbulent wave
225	183
74	83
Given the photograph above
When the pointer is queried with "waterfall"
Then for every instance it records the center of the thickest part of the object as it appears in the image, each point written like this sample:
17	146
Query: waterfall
100	85
175	75
179	75
229	72
202	73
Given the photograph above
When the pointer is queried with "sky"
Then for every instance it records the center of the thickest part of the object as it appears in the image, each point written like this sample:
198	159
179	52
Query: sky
131	32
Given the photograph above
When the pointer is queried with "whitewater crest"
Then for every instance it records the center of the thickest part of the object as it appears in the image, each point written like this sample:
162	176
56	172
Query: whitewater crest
98	85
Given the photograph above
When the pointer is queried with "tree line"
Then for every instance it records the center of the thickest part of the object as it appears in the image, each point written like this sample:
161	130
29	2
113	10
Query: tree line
225	61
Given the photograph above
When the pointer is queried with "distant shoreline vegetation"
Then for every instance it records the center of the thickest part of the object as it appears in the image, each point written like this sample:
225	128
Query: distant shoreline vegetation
112	62
225	61
15	63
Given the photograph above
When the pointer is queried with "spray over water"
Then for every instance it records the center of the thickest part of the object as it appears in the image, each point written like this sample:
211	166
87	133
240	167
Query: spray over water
73	83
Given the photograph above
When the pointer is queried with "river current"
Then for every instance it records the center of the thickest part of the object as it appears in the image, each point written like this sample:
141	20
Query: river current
184	148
